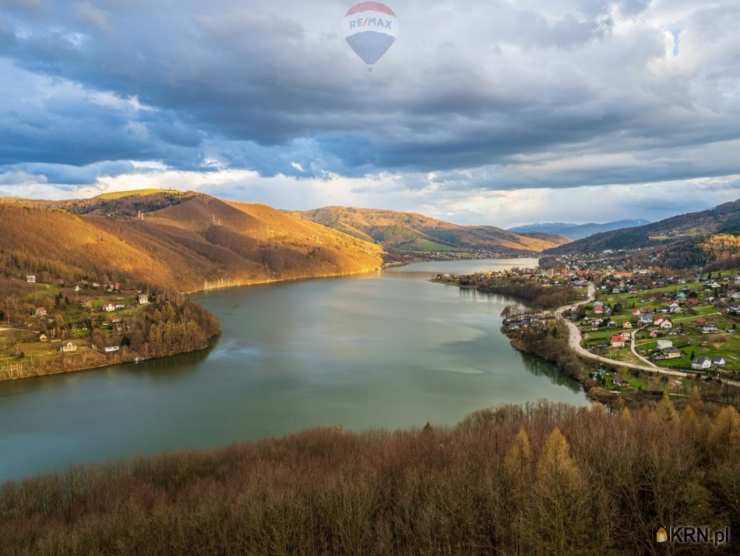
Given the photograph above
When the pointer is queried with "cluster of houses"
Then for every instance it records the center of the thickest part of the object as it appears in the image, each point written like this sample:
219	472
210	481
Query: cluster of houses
523	321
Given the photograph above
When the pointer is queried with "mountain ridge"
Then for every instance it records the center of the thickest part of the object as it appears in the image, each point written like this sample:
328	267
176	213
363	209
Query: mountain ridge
578	231
681	240
184	241
409	232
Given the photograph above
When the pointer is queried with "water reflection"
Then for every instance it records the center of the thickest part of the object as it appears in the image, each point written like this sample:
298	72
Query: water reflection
383	351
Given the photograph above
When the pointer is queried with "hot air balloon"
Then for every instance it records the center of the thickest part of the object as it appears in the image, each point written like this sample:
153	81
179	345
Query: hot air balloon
370	29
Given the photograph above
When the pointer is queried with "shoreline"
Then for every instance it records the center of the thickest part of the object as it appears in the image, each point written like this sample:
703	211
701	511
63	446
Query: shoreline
573	346
234	284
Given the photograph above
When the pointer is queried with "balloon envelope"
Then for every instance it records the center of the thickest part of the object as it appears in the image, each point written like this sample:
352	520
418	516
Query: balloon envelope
370	28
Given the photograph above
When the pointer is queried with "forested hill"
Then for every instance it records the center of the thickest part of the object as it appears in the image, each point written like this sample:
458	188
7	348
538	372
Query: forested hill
577	231
180	241
409	232
691	234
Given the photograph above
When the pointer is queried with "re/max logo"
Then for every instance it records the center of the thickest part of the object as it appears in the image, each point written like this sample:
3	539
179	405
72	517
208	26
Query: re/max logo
376	22
694	535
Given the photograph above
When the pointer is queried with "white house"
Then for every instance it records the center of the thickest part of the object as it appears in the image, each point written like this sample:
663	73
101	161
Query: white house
701	364
109	308
664	344
31	279
666	325
69	347
719	362
112	349
143	299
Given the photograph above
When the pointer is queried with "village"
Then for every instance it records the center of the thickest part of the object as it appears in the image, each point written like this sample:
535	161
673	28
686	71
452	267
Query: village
642	329
682	322
51	323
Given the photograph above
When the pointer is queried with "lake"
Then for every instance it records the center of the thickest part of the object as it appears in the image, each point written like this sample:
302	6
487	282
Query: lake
387	350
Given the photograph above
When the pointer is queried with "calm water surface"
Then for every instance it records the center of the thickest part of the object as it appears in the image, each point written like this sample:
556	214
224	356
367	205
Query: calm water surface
382	351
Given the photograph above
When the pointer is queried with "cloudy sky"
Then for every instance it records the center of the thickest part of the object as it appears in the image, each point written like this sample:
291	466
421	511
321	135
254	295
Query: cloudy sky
487	111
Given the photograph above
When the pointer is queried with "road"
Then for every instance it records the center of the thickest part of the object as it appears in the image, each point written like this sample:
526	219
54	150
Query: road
634	351
575	339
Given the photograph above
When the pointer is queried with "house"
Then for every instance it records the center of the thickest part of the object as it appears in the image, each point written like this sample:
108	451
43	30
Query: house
646	318
611	324
43	338
653	333
112	349
701	364
664	344
41	312
666	325
672	353
674	308
709	329
143	299
627	325
596	323
77	288
618	341
636	312
69	347
109	308
719	362
598	308
31	279
120	306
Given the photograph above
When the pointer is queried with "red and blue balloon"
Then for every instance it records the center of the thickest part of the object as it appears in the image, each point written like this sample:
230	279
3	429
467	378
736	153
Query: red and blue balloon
370	29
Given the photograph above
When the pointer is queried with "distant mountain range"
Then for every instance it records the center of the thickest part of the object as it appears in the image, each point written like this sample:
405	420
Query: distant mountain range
688	239
577	231
403	232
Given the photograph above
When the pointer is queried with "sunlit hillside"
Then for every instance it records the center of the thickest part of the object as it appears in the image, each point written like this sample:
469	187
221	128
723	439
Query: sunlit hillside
183	241
403	231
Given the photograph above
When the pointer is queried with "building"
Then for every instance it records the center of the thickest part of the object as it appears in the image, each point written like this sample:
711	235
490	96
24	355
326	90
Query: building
666	325
664	344
627	325
41	312
701	364
672	353
109	308
112	349
646	318
143	299
618	341
719	362
31	279
69	347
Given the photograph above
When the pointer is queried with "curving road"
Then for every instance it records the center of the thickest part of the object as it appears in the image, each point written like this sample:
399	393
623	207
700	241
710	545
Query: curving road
575	339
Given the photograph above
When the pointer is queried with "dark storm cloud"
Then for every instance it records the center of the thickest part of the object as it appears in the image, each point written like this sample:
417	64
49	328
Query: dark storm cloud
272	87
